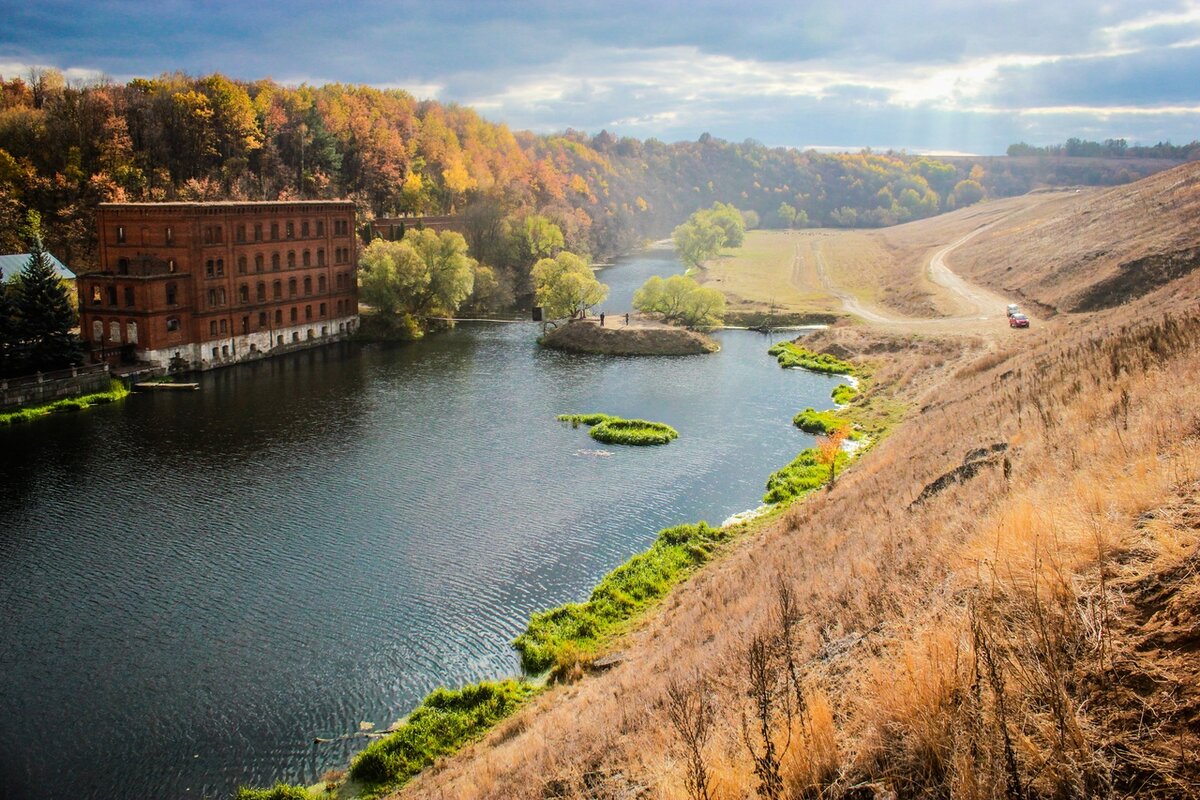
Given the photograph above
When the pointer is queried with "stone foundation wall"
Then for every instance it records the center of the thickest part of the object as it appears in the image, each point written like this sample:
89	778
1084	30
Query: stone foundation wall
249	347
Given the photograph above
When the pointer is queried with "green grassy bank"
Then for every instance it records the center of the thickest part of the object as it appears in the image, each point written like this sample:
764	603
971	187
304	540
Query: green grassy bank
30	413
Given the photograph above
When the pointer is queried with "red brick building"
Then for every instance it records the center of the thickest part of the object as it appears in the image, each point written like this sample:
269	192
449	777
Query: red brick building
207	284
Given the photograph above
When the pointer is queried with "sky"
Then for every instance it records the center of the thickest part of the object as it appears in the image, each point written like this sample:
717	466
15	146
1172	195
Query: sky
945	76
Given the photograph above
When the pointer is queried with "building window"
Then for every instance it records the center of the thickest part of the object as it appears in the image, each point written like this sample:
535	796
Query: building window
128	296
309	333
114	331
291	287
131	332
320	227
277	290
253	347
245	324
122	266
241	265
172	323
170	237
262	319
224	351
320	256
337	280
324	330
98	331
261	292
308	285
321	310
244	293
341	327
112	295
291	259
295	313
295	336
224	326
291	230
274	231
304	229
216	352
279	340
321	284
220	266
212	297
275	262
96	294
241	233
307	259
212	328
279	316
210	268
258	262
145	236
120	234
170	294
258	231
308	312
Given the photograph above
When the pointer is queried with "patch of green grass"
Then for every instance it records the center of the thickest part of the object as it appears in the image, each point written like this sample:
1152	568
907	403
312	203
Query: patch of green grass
556	638
803	475
638	432
790	354
443	722
615	430
30	413
844	393
822	423
280	791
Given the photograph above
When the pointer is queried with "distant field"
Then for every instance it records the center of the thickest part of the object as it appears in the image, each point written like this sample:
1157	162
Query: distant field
767	270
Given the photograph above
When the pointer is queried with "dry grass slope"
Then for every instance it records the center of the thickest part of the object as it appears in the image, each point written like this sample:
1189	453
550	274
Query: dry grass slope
1029	630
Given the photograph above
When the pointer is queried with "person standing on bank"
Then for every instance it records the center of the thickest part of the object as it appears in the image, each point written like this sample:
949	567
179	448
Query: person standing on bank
601	319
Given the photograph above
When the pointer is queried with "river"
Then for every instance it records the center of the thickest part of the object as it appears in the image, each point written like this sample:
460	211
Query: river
195	585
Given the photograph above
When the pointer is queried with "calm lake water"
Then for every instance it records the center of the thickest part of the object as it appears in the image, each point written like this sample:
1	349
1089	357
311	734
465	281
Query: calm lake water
196	585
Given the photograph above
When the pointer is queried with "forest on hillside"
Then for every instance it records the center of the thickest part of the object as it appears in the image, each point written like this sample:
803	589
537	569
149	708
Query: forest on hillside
65	147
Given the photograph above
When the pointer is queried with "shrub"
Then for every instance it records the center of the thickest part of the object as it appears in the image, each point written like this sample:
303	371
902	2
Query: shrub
584	419
790	354
822	423
804	474
844	393
443	722
556	638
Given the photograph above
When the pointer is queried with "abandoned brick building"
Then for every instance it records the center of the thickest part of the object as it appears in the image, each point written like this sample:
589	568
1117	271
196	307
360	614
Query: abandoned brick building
200	285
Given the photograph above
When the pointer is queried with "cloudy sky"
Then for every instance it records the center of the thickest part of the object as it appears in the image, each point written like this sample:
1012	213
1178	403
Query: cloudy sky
938	75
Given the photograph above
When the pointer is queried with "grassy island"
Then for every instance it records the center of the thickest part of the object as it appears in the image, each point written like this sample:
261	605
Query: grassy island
29	413
790	354
823	423
615	430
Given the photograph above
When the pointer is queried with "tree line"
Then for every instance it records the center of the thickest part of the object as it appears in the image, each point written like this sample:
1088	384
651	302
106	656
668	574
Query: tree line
1109	148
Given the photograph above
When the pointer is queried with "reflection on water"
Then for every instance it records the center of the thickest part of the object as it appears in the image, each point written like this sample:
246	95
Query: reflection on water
195	585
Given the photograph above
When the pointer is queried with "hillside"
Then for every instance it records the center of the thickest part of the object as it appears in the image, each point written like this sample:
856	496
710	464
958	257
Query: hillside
1095	249
999	599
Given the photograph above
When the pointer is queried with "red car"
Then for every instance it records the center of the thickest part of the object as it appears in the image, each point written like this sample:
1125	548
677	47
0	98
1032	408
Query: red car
1018	321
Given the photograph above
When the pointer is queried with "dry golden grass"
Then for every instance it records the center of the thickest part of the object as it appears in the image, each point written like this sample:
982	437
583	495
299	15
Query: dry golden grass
1029	630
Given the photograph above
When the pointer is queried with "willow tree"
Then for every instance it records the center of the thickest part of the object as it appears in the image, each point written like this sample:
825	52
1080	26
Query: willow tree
680	299
565	286
424	274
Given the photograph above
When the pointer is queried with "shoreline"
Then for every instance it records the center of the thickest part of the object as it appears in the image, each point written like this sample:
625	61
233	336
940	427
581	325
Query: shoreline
734	528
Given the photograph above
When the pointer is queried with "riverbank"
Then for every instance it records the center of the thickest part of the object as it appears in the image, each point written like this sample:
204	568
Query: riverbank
559	645
615	338
29	413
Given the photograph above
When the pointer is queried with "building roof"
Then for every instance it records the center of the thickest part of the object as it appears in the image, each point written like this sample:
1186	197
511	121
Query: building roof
12	264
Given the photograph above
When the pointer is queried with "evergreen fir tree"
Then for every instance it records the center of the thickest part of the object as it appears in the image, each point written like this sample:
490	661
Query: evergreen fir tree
44	316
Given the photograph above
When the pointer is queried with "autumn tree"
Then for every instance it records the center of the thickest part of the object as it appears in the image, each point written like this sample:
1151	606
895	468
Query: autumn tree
829	450
966	193
424	274
680	299
566	286
698	240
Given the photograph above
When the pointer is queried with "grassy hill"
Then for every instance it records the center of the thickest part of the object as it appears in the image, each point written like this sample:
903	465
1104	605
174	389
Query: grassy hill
999	599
